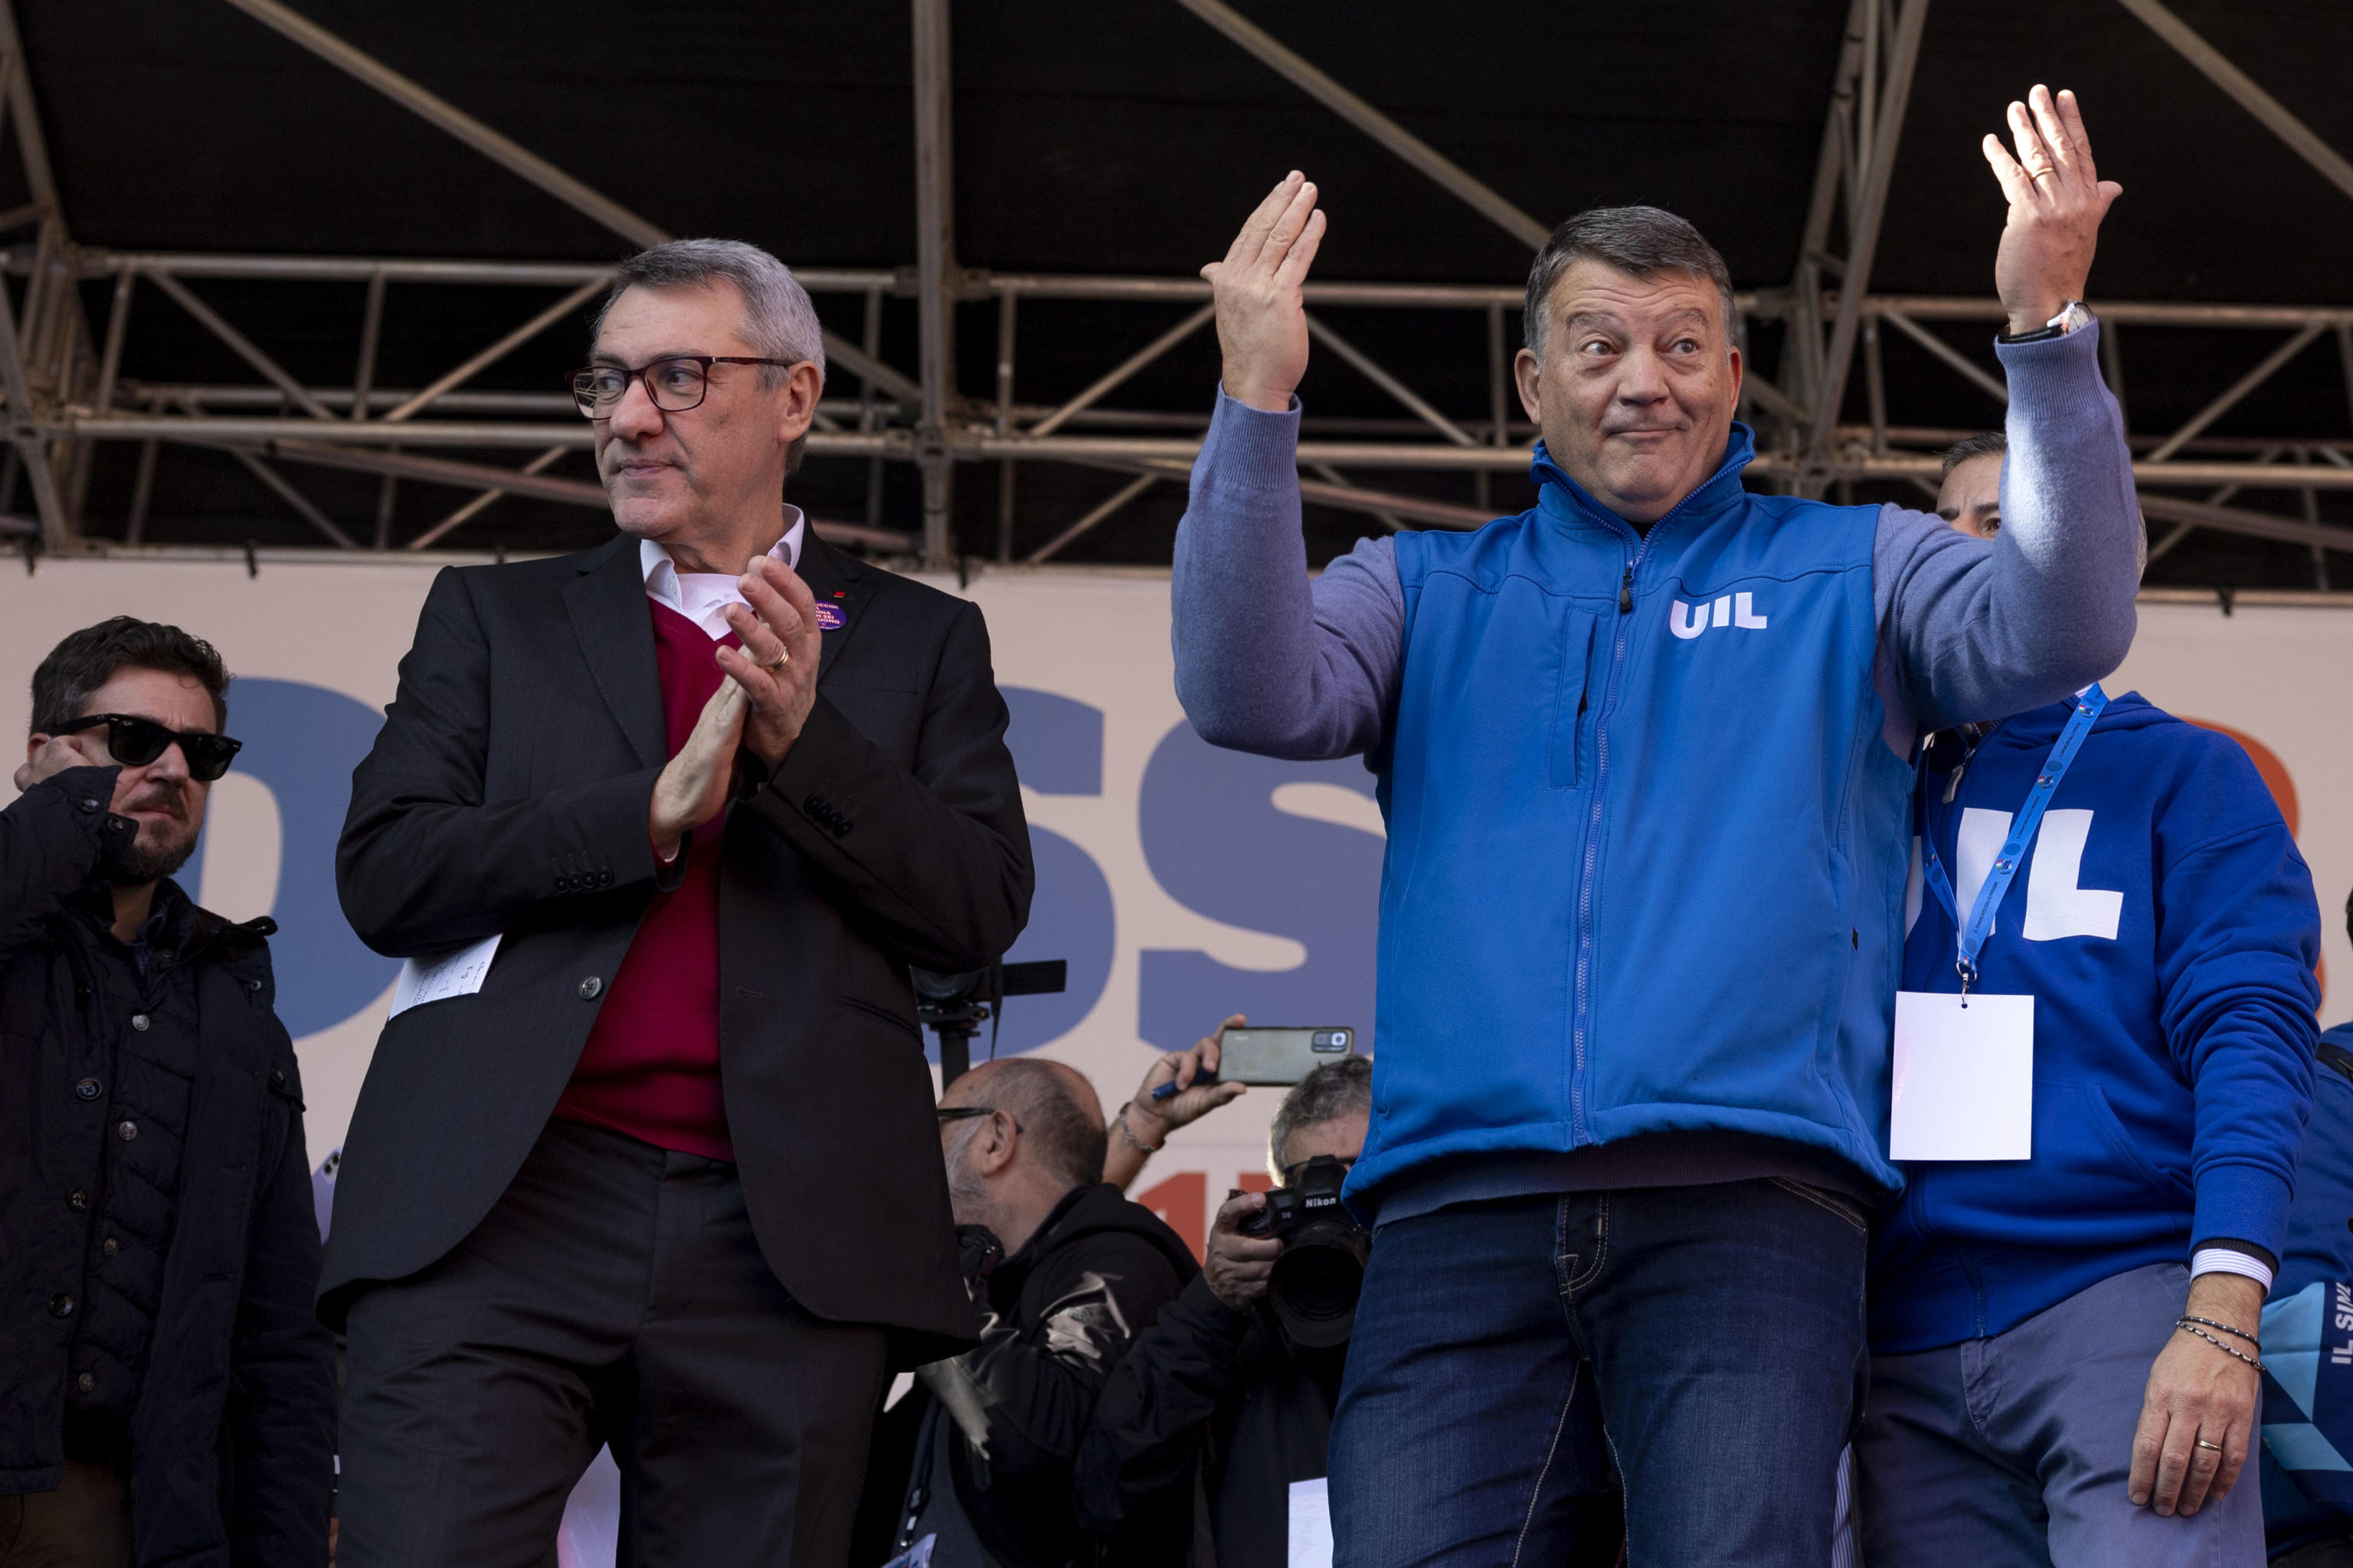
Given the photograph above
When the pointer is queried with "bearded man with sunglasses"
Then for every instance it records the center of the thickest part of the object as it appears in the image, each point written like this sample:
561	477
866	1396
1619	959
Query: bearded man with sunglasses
166	1392
652	1163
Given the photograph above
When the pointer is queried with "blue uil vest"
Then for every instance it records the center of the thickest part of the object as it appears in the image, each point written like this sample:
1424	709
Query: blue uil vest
1646	846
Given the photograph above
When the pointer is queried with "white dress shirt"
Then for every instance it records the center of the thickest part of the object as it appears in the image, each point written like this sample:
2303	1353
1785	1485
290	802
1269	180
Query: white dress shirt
704	596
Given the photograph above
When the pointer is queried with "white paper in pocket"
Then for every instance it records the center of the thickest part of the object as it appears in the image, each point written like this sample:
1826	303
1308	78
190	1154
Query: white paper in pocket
1311	1524
1964	1077
458	973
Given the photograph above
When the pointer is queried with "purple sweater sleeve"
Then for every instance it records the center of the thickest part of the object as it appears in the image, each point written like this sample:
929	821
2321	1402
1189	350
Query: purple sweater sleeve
1268	660
1970	630
1271	662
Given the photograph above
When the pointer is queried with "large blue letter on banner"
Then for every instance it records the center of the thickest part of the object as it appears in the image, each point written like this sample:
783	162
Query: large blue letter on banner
1217	844
302	743
1058	746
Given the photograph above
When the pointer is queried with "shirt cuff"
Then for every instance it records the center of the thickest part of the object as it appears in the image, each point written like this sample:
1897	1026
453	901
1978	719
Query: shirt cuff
2227	1260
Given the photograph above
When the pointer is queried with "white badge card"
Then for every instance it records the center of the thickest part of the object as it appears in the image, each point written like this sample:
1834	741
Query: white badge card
1310	1525
1964	1077
459	973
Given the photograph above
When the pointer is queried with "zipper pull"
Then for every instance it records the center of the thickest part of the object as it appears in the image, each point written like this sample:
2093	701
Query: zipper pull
1626	592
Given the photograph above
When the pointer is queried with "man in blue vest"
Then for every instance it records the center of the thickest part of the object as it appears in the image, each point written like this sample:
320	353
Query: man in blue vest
1644	754
2065	1346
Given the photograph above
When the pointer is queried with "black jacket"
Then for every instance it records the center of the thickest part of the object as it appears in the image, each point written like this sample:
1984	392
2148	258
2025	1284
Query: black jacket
158	1250
1057	1318
507	794
1217	1398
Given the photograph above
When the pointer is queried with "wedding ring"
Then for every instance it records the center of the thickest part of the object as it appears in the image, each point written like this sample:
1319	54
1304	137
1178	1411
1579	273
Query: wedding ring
2203	1444
784	657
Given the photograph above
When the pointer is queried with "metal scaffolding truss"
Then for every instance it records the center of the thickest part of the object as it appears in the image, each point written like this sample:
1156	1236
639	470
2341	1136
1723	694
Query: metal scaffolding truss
60	372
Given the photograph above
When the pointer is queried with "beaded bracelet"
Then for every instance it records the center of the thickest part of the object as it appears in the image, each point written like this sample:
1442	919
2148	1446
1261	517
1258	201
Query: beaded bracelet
2225	1328
1128	1133
2184	1325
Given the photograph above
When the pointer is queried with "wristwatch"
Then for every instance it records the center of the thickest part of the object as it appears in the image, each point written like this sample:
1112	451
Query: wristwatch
2071	317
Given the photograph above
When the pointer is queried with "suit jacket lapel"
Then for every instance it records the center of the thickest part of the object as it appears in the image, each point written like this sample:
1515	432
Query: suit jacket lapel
835	580
608	604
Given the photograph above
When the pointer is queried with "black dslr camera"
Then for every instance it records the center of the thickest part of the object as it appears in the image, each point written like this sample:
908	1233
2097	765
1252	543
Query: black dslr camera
1318	1279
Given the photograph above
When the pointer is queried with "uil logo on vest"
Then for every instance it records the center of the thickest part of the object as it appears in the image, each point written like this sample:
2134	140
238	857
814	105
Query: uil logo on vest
1734	610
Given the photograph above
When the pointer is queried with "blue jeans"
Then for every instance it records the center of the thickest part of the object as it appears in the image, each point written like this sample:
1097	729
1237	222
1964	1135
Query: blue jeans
1705	1344
2015	1448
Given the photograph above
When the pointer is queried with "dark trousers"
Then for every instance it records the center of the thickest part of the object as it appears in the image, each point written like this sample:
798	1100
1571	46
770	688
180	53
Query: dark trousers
84	1523
615	1295
1706	1343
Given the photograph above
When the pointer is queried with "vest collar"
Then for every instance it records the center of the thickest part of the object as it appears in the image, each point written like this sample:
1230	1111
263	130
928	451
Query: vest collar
1564	501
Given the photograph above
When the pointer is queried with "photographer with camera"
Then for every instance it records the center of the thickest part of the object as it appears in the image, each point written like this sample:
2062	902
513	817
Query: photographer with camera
1235	1383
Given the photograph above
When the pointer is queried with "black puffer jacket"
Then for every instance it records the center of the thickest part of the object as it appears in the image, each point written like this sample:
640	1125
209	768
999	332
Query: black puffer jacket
158	1250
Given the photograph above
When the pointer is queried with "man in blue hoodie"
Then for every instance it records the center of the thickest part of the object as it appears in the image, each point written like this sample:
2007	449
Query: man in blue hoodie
2065	1349
1644	754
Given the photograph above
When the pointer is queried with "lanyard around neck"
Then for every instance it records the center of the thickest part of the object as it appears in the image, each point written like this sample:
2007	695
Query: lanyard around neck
2013	850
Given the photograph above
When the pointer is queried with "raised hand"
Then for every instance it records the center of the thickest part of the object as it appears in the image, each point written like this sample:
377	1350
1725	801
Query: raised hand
1261	322
1154	1118
2056	201
1144	1122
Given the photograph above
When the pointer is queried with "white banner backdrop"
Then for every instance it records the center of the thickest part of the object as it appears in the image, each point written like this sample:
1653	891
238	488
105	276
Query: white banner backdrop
1181	882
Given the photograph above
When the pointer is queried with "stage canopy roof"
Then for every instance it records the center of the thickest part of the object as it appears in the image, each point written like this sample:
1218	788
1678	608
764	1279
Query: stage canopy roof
309	272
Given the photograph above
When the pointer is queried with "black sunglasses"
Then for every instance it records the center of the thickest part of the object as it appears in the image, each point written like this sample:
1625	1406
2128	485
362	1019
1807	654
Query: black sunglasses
135	742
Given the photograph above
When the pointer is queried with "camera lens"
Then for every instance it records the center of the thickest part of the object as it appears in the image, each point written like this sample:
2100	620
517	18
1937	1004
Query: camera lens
1316	1282
1322	1282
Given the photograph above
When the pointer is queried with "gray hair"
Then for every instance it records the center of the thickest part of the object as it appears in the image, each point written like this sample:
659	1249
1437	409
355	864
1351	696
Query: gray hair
779	320
1328	1093
1639	241
1993	443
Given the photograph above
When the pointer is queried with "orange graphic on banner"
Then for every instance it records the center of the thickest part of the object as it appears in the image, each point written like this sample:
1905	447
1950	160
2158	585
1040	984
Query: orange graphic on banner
2276	779
2267	763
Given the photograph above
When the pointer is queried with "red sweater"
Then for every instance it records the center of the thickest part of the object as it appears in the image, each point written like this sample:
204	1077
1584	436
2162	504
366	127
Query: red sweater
650	1068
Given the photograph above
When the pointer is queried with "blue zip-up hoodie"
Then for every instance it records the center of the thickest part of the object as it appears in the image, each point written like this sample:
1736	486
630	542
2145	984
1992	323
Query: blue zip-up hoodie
2165	926
1564	677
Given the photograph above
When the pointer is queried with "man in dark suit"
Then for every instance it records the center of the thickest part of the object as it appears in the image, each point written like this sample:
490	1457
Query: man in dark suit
650	1160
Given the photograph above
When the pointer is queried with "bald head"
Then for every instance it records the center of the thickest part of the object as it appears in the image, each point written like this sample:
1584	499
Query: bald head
1062	1120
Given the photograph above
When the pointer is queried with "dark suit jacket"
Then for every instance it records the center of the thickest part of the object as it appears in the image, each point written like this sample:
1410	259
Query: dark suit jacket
508	793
